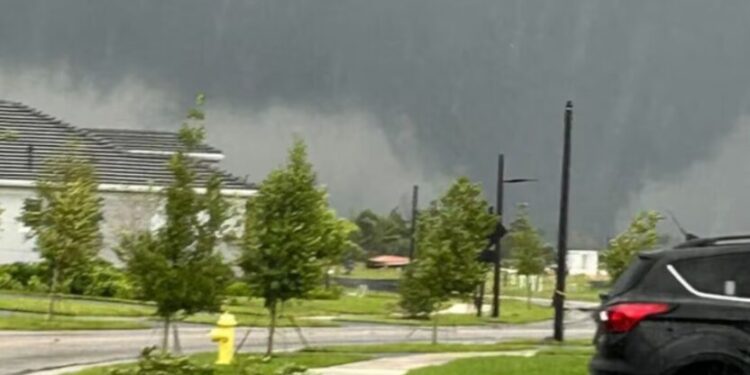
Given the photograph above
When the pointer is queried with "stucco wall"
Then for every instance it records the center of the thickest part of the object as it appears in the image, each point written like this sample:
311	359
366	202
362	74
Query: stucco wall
122	211
13	244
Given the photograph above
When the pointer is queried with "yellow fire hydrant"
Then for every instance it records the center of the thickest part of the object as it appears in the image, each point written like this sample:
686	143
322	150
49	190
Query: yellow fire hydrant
223	334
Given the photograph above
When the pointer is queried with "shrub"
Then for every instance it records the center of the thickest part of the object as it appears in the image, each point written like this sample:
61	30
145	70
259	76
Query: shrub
237	289
99	278
333	292
159	364
8	283
35	284
21	274
102	279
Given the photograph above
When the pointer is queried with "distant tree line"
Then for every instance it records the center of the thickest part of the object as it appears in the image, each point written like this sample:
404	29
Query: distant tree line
382	234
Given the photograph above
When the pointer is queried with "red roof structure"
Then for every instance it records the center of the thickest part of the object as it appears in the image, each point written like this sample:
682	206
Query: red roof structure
389	261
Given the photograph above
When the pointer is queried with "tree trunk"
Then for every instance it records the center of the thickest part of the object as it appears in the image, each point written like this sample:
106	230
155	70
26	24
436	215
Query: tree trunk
528	291
165	338
435	328
176	339
271	329
53	292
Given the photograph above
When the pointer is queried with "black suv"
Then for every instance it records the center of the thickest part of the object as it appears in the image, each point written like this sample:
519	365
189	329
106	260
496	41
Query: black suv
679	311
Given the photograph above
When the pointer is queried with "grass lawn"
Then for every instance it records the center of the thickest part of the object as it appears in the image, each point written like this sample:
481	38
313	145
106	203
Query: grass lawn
372	303
577	288
558	361
309	360
375	307
72	307
425	348
512	312
37	322
362	272
245	320
251	313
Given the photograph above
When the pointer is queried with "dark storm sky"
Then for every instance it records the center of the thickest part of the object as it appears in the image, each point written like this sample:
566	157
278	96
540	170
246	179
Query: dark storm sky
395	92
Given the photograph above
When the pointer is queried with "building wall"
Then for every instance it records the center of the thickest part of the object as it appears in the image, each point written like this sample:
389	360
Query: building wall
122	212
583	262
13	244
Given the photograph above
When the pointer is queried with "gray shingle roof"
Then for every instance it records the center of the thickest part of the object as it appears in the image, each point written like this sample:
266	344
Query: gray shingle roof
38	137
146	140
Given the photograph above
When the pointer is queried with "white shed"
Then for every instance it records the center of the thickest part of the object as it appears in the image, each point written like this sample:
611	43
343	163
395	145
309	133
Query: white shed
583	262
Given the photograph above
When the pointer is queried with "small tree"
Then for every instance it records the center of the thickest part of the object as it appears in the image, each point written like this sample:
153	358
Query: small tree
641	235
290	236
65	218
6	135
529	251
451	235
178	266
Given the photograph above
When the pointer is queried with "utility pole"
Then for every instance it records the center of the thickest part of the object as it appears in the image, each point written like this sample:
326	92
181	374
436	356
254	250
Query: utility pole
498	253
562	235
414	206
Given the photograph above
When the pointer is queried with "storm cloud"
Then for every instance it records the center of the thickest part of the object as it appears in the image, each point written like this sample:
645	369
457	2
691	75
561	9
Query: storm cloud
391	92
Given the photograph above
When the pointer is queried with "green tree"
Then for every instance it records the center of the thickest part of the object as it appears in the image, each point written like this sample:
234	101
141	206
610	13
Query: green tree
641	235
64	218
530	254
388	234
178	265
290	235
451	235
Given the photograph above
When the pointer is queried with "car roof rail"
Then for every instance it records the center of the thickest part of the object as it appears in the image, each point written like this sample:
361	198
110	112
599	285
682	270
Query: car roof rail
715	241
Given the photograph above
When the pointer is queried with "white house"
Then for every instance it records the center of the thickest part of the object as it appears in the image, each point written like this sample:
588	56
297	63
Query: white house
131	166
583	262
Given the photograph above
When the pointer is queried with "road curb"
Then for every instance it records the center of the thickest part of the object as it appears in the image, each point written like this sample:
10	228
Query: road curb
77	367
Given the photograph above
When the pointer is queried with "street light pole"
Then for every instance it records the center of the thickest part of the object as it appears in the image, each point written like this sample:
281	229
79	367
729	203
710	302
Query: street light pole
414	206
562	236
496	239
498	253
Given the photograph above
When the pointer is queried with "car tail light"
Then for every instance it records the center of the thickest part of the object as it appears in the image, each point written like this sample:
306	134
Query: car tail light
624	317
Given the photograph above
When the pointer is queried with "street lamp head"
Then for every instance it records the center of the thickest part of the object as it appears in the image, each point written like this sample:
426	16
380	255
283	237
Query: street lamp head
519	180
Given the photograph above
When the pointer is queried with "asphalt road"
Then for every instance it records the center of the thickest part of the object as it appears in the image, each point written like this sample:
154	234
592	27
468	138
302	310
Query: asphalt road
27	352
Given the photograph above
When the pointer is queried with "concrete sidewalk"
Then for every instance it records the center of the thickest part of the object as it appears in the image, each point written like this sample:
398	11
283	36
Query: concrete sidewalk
399	365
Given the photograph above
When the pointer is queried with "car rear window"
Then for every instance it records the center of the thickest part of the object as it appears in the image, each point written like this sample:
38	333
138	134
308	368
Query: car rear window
630	278
727	274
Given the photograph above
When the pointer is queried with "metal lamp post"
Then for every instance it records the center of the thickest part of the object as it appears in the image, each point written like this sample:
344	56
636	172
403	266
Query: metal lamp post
562	236
501	181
